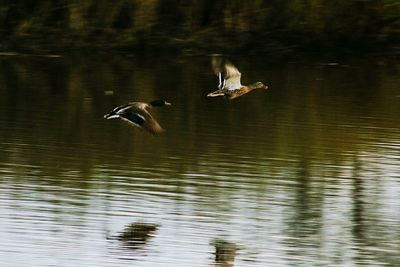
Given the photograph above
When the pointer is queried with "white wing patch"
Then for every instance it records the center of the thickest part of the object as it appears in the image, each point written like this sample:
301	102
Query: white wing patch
122	110
229	77
137	114
232	84
232	77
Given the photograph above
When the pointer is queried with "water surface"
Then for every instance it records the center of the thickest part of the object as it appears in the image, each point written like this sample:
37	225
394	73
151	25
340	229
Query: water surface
305	174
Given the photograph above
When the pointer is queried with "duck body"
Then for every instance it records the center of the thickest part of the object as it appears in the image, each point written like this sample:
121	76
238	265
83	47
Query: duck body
137	114
233	93
229	80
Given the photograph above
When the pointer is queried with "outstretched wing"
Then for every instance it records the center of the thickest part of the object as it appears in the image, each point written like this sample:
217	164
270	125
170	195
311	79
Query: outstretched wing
136	114
232	77
139	113
219	92
217	64
133	118
116	112
228	75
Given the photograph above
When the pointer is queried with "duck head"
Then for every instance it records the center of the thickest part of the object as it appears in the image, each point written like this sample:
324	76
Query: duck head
259	85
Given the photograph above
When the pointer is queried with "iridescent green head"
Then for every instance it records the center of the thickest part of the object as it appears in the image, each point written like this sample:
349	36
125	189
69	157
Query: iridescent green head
159	103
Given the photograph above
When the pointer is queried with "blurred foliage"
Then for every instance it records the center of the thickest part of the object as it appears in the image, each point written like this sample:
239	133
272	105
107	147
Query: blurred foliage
201	25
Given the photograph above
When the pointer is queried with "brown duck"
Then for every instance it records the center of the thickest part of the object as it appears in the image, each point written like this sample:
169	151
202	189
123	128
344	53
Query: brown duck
137	114
229	80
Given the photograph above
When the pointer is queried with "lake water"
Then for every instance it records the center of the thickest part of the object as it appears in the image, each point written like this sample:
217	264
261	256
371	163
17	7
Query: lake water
304	174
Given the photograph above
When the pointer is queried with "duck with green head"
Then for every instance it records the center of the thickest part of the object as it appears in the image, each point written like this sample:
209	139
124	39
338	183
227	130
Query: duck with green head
137	114
229	80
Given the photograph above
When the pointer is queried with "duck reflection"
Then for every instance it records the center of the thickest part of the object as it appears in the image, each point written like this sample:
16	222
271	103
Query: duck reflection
137	234
225	252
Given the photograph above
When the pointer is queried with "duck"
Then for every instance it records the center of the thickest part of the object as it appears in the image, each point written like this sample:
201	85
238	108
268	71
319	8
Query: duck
137	114
229	80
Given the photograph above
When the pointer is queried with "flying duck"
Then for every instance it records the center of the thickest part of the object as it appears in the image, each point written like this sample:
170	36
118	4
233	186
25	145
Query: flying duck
137	114
229	80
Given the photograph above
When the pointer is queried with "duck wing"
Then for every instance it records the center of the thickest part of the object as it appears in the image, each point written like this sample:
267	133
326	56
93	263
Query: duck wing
118	111
133	118
136	114
219	92
229	76
232	77
152	126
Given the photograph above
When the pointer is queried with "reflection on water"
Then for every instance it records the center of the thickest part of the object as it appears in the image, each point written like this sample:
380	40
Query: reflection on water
225	252
137	234
305	174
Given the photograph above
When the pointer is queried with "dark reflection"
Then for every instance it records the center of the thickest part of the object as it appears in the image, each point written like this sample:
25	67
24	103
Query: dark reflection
137	234
305	224
225	252
358	211
358	203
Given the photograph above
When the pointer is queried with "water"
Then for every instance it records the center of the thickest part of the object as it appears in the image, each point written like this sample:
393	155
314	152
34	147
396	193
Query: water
305	174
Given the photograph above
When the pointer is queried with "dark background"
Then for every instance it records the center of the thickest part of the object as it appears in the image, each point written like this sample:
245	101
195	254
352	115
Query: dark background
193	26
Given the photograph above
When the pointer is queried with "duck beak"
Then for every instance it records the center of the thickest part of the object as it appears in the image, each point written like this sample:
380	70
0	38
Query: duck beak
167	103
